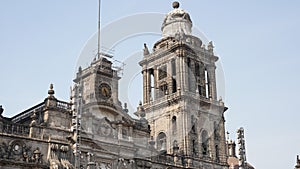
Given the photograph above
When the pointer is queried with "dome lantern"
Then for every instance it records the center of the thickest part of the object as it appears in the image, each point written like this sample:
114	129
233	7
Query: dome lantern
177	21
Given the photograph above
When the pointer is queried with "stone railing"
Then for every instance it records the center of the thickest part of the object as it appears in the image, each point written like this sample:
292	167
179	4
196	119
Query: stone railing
63	105
27	113
167	158
12	128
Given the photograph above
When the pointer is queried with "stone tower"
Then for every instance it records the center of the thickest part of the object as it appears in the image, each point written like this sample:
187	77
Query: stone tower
180	95
98	85
103	131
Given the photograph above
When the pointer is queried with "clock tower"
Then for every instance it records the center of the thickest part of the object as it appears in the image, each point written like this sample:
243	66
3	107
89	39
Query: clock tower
180	94
98	87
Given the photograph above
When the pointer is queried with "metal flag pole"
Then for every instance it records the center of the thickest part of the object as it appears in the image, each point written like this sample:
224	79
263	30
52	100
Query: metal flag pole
99	26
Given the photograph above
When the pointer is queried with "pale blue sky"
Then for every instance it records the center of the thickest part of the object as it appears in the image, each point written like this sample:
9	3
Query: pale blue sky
257	42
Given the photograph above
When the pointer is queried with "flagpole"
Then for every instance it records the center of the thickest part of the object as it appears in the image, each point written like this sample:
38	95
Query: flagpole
98	50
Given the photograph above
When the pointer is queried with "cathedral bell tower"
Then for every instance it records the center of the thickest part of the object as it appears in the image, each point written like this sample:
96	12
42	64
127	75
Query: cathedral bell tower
180	95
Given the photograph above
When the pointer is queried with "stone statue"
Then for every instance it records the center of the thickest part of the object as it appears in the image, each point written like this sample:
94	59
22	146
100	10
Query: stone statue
146	50
210	46
37	157
1	110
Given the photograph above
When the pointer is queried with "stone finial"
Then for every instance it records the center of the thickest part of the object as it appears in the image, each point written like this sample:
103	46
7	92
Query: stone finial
175	5
175	147
298	162
152	142
1	110
140	107
51	91
37	155
142	113
227	136
125	108
33	118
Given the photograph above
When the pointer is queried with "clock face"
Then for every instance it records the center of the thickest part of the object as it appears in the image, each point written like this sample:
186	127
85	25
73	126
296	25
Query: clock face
105	91
17	149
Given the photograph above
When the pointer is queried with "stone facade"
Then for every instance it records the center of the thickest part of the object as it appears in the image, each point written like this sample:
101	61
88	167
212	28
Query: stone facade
36	138
180	122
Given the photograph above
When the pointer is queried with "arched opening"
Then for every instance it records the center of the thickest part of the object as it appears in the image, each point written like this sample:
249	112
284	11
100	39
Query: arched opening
207	91
151	95
163	89
161	140
217	153
174	125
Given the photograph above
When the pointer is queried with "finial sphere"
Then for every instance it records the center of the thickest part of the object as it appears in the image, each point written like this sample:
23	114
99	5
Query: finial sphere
176	4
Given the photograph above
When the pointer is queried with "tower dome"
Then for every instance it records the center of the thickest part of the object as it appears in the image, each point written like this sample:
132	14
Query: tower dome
177	21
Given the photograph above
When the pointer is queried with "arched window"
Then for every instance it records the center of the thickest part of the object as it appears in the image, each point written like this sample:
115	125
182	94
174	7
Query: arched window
151	83
174	125
205	143
161	142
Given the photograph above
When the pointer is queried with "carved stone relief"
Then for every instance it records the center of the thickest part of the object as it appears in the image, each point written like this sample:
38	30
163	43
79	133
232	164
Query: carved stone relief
18	151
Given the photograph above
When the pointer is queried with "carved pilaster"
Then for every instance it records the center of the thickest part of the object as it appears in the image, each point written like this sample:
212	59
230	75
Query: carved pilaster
223	152
119	131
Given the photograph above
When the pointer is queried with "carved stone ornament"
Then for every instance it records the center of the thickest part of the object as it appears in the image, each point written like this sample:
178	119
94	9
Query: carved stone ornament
104	165
18	151
103	128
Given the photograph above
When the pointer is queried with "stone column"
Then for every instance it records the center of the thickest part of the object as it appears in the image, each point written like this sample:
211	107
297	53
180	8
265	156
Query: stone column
185	74
191	77
178	72
183	143
212	148
145	86
186	131
148	85
182	73
169	77
130	133
222	146
155	73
